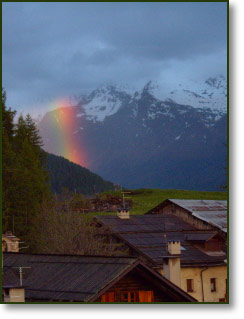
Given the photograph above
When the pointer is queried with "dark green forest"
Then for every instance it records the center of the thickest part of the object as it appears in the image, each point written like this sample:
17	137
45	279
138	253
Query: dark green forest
24	179
70	176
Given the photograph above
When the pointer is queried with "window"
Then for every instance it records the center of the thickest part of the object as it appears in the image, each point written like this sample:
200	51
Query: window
146	296
213	245
108	297
189	285
213	284
128	296
136	296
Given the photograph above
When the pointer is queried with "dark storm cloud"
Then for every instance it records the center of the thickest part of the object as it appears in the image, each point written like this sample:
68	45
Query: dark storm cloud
53	49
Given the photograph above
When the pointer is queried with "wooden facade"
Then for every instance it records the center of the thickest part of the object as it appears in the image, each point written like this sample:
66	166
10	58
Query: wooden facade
134	288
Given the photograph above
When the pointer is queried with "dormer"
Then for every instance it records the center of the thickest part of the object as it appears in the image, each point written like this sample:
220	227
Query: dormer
209	242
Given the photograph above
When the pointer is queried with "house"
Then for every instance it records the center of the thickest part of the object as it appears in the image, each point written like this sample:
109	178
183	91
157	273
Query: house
203	214
10	242
73	278
193	259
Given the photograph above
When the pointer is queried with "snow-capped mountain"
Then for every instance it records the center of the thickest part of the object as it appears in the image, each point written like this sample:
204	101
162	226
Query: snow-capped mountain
102	102
108	99
211	93
152	137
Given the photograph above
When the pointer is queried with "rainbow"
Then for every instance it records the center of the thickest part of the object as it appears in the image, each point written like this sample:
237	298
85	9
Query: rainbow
65	125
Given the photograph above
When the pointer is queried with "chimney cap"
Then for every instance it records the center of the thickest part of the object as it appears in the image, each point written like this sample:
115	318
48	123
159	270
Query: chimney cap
123	213
173	241
123	208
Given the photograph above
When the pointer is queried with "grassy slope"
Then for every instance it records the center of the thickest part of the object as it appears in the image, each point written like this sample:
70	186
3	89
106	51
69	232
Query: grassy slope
146	199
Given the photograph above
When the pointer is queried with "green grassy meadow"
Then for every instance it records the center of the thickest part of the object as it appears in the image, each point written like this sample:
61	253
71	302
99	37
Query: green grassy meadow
146	199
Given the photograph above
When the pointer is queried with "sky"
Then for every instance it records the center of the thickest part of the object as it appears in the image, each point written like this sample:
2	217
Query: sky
52	51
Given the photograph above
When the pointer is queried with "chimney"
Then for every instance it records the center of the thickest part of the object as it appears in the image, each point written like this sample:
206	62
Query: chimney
123	213
172	270
174	247
14	294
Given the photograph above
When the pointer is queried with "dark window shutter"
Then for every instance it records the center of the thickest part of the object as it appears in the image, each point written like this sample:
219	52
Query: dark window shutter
108	297
189	284
146	296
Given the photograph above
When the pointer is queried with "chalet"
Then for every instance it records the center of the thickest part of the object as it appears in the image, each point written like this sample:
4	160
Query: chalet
203	214
73	278
193	259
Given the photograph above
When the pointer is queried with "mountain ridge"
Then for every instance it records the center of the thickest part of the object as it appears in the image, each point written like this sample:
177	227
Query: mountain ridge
141	141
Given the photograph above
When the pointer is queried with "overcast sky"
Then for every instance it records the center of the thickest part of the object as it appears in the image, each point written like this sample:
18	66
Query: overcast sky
55	50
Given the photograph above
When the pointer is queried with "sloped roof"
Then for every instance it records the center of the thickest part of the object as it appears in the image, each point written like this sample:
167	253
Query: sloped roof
10	236
146	235
57	277
75	278
213	212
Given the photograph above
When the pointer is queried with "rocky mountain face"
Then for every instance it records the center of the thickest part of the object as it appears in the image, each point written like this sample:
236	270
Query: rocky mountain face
156	137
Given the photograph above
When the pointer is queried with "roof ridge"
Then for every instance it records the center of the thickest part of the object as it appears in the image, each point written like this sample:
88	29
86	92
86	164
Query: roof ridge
67	255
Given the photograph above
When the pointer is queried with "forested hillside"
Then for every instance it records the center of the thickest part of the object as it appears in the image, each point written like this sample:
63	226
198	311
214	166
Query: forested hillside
72	177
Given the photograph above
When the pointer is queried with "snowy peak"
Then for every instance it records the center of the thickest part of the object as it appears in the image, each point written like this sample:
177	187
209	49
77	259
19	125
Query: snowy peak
211	93
218	82
107	100
150	87
104	101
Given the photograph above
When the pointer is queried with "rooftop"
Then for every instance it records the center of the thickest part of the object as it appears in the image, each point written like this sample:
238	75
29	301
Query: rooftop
149	234
63	277
10	236
74	277
213	212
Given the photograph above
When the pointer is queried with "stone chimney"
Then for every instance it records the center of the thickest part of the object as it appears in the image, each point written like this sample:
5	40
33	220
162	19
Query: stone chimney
172	270
174	247
123	213
13	294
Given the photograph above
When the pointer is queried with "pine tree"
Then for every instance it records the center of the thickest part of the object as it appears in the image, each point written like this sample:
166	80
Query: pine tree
32	132
8	163
24	178
7	118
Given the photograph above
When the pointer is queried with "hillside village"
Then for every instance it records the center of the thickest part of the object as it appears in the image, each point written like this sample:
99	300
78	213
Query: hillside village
176	252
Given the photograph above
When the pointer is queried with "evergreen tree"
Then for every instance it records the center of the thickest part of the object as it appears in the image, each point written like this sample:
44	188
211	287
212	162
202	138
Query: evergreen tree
7	118
24	177
33	133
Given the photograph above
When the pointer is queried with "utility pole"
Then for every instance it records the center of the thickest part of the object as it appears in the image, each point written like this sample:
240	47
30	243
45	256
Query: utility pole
13	224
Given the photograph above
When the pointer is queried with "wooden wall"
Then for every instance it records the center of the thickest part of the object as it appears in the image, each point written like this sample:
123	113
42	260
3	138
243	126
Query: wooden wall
134	282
